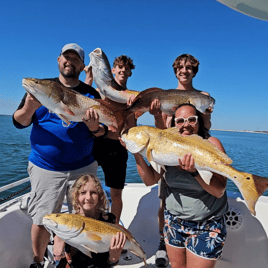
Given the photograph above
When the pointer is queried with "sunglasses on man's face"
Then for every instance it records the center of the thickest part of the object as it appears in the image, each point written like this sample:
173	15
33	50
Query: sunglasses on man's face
180	121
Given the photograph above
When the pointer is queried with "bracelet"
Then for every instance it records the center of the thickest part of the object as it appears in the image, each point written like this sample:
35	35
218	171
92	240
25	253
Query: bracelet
105	131
96	131
194	174
112	263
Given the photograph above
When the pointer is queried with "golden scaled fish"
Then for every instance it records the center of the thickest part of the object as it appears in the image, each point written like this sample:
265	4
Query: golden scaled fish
70	105
89	235
104	78
170	99
165	147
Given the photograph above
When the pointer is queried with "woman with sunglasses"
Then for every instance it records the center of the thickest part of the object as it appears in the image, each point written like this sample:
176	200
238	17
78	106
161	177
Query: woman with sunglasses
185	68
194	229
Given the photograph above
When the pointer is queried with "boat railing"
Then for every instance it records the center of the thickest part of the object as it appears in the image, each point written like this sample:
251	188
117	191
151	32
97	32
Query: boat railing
12	185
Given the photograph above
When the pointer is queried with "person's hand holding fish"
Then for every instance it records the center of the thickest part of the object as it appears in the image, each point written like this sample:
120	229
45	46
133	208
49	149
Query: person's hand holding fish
31	102
117	243
91	119
155	107
130	99
89	75
187	163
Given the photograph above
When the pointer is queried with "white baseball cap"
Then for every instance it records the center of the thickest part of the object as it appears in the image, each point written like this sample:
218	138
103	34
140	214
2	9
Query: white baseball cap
76	48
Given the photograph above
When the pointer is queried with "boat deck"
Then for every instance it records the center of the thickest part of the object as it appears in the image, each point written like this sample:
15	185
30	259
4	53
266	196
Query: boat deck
246	243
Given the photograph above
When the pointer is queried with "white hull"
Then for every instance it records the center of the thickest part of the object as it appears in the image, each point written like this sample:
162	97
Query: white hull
246	245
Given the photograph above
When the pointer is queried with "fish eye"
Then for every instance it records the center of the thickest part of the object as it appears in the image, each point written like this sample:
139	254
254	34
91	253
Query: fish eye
248	178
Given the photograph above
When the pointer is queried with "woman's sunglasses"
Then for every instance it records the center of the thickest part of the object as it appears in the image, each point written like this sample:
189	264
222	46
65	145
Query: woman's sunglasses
192	120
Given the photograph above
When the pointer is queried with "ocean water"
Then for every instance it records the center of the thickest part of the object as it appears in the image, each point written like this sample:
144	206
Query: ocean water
249	152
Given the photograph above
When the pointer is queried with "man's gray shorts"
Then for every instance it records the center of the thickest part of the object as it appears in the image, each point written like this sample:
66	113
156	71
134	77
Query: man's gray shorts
50	187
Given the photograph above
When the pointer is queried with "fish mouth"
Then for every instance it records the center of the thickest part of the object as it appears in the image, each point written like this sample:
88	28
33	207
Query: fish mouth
49	222
97	51
95	56
49	225
28	87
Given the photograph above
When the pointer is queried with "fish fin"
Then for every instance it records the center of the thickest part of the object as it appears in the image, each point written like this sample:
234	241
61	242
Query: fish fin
157	167
106	103
202	142
205	175
66	109
87	251
149	154
210	146
116	105
65	120
172	130
149	90
93	237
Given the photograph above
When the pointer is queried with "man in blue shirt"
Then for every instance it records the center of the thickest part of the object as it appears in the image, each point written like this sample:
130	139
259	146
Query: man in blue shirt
59	153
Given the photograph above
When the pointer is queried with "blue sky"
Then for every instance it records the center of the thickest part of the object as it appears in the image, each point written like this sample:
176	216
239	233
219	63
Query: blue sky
231	48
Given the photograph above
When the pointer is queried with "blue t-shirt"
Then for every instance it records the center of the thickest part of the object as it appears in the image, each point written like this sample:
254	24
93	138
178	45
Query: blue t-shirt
58	147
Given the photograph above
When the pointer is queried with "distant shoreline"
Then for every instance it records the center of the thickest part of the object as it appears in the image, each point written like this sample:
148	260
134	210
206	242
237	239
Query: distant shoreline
248	131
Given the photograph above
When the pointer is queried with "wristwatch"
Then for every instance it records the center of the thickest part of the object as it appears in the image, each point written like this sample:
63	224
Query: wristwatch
95	131
112	264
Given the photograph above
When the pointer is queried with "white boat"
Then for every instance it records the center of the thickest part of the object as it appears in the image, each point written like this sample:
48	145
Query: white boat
246	244
254	8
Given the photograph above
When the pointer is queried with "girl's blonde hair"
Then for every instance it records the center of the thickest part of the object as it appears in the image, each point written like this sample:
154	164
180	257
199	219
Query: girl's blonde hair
103	204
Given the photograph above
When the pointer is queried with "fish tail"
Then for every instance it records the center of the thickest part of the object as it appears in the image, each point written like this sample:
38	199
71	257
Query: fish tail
136	249
251	188
129	111
261	184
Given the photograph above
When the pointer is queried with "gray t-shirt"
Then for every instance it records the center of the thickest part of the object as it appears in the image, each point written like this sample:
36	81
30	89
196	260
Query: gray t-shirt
188	200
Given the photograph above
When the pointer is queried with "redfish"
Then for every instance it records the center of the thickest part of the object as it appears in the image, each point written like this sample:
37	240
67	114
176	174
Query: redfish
89	235
170	99
70	105
104	79
164	148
